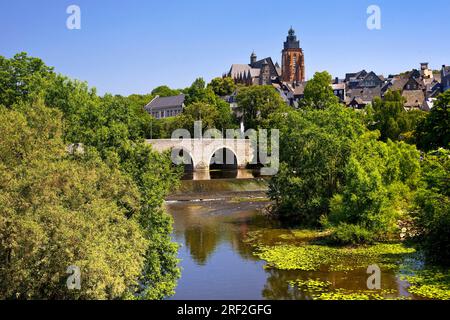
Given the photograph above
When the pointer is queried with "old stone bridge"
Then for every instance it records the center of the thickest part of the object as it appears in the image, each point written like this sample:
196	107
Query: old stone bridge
201	153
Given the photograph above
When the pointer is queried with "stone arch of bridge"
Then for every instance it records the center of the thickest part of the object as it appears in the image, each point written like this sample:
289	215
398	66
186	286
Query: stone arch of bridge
224	156
185	156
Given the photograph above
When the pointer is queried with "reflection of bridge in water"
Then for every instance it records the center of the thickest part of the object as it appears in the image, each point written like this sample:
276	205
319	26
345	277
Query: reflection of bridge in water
201	154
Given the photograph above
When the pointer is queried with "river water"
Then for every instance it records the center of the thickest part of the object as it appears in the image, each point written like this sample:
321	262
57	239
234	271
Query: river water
212	219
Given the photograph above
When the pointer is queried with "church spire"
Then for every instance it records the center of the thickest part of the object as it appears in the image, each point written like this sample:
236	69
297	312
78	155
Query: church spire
293	60
291	32
291	40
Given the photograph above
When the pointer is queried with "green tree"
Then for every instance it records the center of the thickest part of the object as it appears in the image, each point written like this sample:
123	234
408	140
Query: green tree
58	210
315	146
392	120
199	111
379	182
112	127
22	78
198	92
257	103
432	204
165	91
318	93
202	104
434	131
222	86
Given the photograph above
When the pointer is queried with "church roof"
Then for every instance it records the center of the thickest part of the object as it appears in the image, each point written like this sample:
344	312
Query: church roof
261	62
258	64
237	69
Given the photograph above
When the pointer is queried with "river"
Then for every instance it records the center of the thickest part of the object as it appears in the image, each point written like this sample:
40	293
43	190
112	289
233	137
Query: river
212	220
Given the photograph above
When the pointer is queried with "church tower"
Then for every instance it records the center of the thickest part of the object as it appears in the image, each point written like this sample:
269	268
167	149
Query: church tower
292	60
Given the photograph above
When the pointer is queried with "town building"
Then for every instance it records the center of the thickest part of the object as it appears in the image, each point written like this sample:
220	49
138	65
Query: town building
164	107
419	88
362	88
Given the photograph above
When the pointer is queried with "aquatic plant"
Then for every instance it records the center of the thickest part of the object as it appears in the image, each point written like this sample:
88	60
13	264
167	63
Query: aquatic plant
430	284
323	290
310	257
343	294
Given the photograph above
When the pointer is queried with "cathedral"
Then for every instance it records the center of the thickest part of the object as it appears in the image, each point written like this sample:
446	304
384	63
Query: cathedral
265	72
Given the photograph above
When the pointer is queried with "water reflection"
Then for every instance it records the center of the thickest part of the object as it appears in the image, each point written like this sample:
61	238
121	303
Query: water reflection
217	262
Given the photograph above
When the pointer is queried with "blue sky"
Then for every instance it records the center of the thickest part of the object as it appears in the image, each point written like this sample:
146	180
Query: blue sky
132	46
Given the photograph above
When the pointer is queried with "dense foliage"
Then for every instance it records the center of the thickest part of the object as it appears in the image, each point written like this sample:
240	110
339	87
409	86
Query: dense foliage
337	173
379	181
315	146
59	210
111	192
318	93
164	91
433	206
433	132
222	86
257	103
392	120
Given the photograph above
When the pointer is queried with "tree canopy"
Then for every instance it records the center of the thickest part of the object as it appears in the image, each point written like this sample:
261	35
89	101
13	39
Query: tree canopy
101	205
392	120
257	103
318	93
433	132
222	86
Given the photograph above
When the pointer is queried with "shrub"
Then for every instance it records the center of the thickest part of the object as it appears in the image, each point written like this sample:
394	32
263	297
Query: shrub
379	182
350	234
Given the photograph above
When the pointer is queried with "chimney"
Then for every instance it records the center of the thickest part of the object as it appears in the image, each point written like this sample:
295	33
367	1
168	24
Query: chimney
336	80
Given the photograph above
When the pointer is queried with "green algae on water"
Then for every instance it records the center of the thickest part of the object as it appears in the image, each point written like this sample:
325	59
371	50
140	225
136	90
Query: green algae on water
318	257
429	284
323	290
